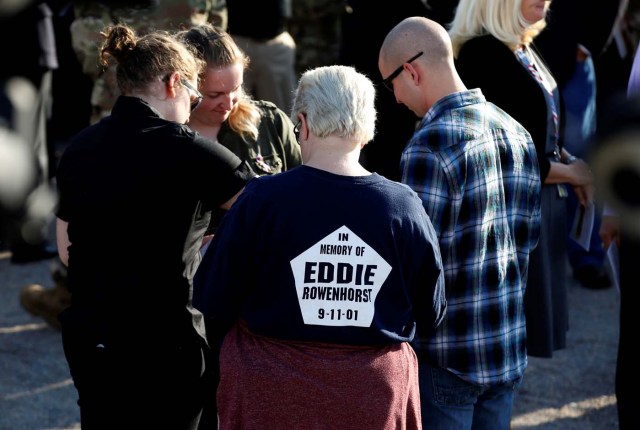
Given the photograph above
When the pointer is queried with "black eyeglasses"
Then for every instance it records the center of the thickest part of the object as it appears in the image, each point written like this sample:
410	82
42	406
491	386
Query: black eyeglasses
388	80
195	102
296	131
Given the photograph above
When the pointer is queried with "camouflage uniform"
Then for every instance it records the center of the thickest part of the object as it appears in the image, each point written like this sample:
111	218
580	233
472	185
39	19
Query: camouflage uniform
93	17
315	26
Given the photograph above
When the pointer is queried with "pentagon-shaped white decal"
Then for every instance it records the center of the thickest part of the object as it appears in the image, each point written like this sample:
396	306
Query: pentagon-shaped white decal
338	280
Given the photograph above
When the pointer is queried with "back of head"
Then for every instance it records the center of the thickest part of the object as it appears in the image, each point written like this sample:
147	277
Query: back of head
337	101
142	60
417	34
213	45
500	18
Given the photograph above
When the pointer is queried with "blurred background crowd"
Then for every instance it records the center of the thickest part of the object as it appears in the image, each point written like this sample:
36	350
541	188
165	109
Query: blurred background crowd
51	87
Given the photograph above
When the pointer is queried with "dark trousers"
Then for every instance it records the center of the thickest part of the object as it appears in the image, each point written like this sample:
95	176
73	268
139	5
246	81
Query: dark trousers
627	377
136	383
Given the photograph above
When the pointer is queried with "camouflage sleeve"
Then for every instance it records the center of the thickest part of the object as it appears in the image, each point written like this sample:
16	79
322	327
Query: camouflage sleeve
86	42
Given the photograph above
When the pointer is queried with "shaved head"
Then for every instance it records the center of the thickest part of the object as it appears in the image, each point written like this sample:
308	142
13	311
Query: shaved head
422	47
416	34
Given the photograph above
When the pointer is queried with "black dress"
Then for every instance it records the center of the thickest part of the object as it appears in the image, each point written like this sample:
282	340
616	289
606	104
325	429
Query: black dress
485	62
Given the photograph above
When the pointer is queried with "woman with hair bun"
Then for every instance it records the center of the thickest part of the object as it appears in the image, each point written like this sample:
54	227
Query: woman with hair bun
136	194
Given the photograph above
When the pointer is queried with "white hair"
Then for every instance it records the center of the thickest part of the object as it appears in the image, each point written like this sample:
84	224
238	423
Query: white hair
337	101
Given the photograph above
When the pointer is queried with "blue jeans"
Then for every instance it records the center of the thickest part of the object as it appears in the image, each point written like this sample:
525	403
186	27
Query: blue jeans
450	403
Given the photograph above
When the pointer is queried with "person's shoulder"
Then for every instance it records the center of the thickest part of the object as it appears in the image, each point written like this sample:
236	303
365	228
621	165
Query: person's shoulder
186	131
447	112
271	113
478	42
265	105
397	186
485	60
293	175
275	187
82	139
471	55
93	133
433	136
481	46
497	118
170	131
459	117
498	115
403	196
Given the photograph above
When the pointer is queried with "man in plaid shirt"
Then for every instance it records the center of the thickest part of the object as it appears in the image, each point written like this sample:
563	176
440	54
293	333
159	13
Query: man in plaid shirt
476	171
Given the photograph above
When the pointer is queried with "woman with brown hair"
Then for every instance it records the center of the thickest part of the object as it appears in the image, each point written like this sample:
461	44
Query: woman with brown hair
136	193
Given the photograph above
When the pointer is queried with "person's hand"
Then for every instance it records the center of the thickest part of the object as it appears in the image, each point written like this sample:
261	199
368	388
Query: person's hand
585	193
582	181
609	230
581	173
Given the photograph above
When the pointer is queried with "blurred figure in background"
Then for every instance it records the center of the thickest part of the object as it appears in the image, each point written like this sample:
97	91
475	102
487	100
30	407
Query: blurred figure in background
571	43
26	80
143	16
70	112
315	27
260	29
494	50
363	28
615	162
614	61
18	165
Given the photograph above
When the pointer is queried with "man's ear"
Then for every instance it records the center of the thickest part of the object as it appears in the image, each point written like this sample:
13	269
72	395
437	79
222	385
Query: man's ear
415	74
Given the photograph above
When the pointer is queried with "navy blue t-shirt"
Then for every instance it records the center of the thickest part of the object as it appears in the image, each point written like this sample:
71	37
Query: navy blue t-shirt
308	255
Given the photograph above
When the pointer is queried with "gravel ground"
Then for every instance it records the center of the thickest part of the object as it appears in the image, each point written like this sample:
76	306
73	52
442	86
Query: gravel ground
572	391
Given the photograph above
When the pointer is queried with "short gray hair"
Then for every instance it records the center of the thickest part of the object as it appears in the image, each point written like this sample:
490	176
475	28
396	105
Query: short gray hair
337	101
